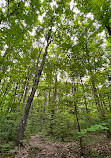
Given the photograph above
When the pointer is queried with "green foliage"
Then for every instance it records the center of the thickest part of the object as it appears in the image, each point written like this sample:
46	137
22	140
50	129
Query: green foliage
94	128
97	127
75	81
62	123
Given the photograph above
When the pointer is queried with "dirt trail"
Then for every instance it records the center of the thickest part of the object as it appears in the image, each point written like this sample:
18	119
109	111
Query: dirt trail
37	148
40	149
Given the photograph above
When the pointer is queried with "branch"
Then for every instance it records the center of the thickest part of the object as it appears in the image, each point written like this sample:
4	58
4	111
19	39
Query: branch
49	32
109	29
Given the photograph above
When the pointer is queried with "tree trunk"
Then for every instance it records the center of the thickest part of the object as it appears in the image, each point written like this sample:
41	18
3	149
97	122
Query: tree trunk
53	110
26	89
85	102
78	124
97	100
22	94
23	121
108	28
109	103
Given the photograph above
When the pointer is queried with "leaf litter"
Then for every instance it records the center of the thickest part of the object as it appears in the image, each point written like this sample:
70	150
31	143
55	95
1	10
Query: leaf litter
38	148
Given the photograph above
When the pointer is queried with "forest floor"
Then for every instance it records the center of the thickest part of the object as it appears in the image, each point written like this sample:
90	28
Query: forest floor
39	148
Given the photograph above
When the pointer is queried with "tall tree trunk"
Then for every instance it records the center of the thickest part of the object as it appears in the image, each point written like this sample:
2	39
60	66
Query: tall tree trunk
103	104
109	102
85	102
23	121
94	90
97	100
26	89
45	98
22	94
42	117
16	89
108	28
53	109
78	124
49	96
15	93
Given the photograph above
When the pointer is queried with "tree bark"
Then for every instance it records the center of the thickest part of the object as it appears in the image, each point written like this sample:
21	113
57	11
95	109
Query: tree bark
85	102
97	100
36	80
109	29
53	110
78	124
109	103
15	93
26	89
24	92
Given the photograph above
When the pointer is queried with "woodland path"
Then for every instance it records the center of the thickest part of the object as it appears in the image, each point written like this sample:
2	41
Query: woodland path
38	148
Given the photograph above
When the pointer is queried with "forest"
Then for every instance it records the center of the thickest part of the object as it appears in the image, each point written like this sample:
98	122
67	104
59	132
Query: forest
55	79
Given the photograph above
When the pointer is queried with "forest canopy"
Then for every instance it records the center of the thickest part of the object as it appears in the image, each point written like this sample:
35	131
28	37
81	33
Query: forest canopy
55	74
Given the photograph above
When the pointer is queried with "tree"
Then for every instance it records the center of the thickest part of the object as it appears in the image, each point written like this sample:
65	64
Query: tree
100	10
55	68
